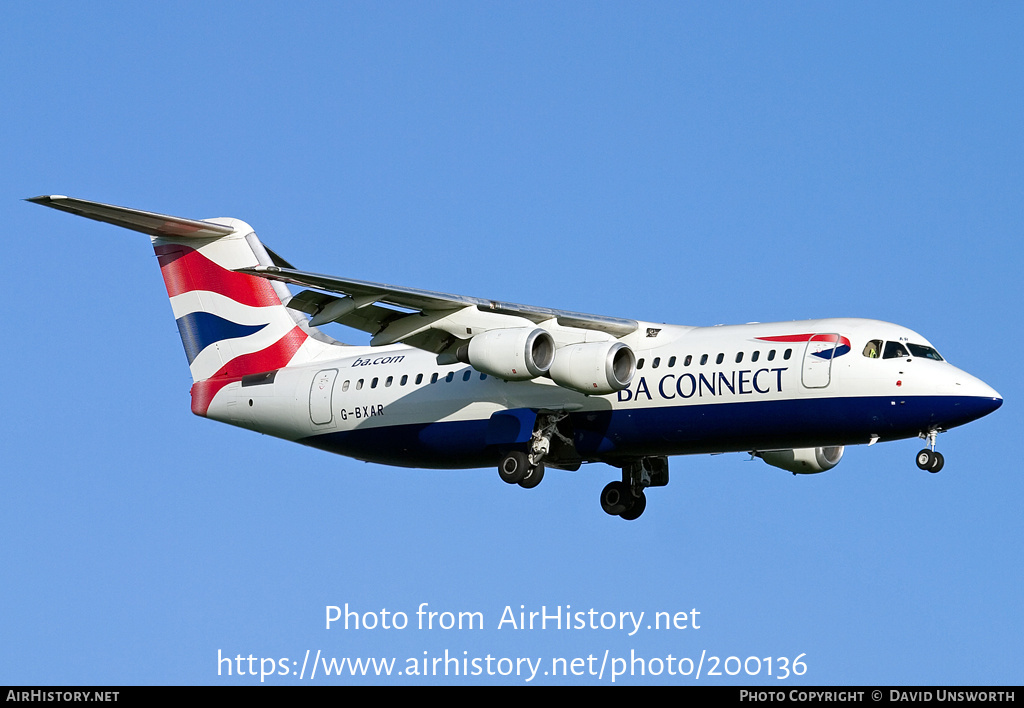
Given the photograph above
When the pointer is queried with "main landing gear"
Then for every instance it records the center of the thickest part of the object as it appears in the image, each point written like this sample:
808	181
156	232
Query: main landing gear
626	499
516	469
527	468
928	459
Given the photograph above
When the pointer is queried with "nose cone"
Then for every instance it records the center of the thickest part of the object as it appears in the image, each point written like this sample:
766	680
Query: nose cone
993	402
979	389
974	397
987	404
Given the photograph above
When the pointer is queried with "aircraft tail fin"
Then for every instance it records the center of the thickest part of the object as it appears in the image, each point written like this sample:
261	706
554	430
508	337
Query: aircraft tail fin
231	324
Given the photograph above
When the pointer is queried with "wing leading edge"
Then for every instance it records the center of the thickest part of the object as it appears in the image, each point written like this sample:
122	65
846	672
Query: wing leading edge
424	318
435	316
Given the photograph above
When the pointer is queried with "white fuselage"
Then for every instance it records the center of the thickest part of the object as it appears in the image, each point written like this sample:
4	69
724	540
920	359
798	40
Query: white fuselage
696	389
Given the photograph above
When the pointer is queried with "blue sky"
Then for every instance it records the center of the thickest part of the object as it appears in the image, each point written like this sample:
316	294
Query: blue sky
684	163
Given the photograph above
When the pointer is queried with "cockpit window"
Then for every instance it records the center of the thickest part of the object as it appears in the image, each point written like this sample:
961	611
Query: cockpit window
923	352
894	350
899	350
873	349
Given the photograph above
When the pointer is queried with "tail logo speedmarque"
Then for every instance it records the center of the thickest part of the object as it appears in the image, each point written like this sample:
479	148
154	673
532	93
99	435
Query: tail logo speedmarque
231	324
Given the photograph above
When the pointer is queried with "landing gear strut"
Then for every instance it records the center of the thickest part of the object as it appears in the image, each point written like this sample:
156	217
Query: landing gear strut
928	459
626	499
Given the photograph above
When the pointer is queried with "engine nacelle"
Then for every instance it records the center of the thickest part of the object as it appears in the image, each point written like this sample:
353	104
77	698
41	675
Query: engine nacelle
514	354
808	460
596	368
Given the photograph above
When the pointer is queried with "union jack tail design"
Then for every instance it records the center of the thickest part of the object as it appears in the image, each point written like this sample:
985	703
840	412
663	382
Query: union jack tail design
231	324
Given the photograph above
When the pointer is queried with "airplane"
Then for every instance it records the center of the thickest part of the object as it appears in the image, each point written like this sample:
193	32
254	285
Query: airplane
450	381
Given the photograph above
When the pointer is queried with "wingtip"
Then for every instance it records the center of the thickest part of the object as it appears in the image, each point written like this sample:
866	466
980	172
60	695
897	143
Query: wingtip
45	198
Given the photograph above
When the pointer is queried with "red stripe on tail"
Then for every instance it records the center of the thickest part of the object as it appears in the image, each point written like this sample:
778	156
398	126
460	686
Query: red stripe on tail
276	356
185	269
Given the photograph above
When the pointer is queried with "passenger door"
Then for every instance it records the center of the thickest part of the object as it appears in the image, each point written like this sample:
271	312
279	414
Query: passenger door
320	395
817	367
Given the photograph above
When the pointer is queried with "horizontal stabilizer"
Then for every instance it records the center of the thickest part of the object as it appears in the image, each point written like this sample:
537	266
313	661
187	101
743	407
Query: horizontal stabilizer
231	325
145	221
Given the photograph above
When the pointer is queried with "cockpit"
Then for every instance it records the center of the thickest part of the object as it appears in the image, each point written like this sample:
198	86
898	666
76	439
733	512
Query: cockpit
879	349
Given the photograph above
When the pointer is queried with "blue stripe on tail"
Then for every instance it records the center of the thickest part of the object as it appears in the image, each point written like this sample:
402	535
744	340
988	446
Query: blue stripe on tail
201	329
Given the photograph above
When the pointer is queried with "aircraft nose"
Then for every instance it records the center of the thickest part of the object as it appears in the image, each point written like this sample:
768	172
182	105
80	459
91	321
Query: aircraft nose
983	390
984	398
966	396
994	400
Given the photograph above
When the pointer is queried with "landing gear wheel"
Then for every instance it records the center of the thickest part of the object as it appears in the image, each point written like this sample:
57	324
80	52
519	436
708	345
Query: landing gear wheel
514	468
930	461
633	512
614	498
925	460
533	476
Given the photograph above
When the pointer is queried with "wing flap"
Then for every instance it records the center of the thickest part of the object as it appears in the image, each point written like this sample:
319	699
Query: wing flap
360	313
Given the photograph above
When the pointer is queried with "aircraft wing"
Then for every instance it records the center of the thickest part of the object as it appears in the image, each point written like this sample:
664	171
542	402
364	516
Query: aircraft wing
427	319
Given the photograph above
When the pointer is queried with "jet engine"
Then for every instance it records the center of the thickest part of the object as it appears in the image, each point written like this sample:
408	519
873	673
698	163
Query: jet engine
808	460
514	354
595	368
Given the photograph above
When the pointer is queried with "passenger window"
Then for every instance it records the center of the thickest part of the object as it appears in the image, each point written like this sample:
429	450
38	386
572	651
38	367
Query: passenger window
465	376
344	386
688	360
739	357
771	355
373	384
873	349
433	377
894	350
483	377
755	356
789	353
671	361
656	363
359	384
639	364
405	379
720	358
419	379
390	380
703	359
450	377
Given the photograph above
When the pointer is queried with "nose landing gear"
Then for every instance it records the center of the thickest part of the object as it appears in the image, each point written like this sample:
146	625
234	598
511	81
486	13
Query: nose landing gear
928	459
